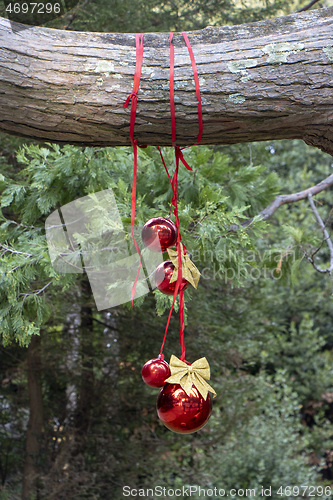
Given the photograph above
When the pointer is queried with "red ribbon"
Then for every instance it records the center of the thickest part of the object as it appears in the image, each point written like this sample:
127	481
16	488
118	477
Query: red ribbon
164	166
134	97
174	183
136	83
180	271
172	91
197	86
178	156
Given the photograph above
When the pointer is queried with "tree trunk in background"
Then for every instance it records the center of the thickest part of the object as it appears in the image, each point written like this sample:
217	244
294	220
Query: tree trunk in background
71	331
35	424
86	389
259	81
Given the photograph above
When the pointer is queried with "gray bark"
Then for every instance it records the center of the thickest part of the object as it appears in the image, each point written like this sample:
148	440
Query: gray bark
267	80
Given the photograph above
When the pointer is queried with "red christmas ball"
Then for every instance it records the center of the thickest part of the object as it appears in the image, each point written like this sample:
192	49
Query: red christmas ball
182	413
158	234
155	372
163	276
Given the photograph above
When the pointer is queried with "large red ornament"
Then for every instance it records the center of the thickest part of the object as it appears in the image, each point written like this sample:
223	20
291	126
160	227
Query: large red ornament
163	276
182	413
158	234
155	372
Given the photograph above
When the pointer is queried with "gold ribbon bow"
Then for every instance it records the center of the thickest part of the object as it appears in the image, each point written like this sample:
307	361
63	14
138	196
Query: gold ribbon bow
188	375
189	271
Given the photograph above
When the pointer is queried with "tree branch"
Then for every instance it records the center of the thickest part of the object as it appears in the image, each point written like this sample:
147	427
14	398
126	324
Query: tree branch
35	292
104	324
259	81
308	6
283	199
326	237
15	251
292	198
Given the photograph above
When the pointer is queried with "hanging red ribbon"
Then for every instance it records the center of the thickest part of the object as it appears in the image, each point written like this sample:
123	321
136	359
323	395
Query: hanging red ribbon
174	182
136	83
180	273
172	91
197	86
134	97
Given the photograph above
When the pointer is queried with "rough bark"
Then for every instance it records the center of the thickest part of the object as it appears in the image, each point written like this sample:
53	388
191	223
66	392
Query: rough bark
260	81
35	424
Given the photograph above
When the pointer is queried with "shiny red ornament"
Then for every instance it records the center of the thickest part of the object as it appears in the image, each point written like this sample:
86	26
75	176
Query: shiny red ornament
163	276
155	372
158	234
182	413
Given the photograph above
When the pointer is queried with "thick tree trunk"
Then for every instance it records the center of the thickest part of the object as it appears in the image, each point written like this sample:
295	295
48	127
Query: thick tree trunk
35	424
266	80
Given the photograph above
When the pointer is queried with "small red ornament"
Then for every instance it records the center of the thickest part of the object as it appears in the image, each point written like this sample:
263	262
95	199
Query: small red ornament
182	413
158	234
163	276
155	372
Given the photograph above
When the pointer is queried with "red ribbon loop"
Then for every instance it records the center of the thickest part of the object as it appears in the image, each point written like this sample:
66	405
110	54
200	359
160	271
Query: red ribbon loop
136	82
197	86
179	155
126	103
134	97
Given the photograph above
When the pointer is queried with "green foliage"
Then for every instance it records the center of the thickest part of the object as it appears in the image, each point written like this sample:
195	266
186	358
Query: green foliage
206	211
251	457
268	343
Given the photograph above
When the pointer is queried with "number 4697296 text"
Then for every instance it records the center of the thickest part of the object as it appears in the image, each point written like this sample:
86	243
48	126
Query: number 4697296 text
31	7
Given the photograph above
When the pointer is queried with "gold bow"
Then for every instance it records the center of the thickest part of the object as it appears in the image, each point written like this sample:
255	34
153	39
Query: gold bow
188	375
189	271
